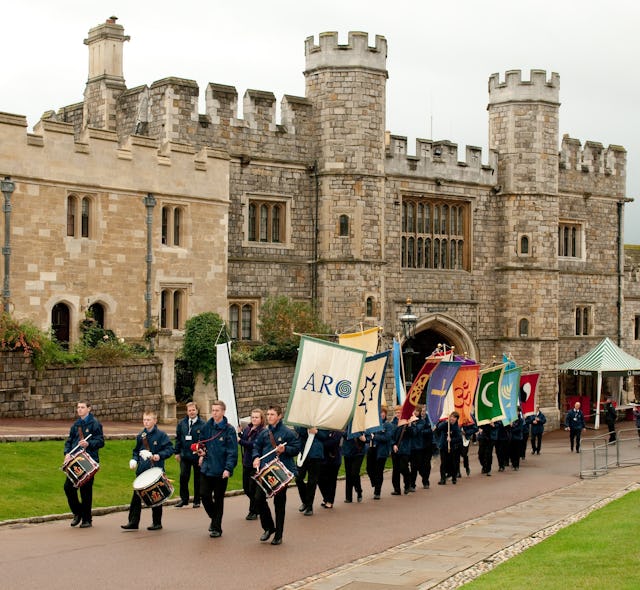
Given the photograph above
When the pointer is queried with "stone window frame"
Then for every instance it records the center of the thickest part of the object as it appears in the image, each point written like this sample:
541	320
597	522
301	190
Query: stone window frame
344	226
524	326
571	240
80	209
173	308
524	246
173	224
239	327
583	320
422	241
269	202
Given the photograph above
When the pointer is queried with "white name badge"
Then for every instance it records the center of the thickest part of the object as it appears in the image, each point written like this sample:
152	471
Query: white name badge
188	437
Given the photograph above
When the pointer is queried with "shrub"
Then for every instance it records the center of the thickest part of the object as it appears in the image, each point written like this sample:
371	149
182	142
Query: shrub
202	333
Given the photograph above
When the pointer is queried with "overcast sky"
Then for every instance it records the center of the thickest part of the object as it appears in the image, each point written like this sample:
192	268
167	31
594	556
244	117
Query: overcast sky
440	56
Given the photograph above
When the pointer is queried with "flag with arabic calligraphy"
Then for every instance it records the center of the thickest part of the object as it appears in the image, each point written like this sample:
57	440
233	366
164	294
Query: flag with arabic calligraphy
366	340
325	384
398	379
418	387
487	402
366	417
528	390
510	393
463	390
440	381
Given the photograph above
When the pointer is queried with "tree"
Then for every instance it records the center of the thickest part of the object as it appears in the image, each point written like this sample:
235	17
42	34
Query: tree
202	332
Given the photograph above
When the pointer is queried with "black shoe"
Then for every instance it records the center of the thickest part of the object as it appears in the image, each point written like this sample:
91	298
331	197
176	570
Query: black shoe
76	520
407	491
266	535
488	474
181	503
154	527
348	501
459	474
302	508
130	526
196	504
453	481
442	482
425	486
211	527
376	496
86	525
396	493
215	534
276	541
359	497
468	472
251	516
308	511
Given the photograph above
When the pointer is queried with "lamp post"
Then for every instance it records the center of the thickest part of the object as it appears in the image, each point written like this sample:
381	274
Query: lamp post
7	187
408	320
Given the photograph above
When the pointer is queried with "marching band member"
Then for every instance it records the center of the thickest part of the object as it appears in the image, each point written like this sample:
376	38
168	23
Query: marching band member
285	444
187	433
537	422
86	426
153	446
379	450
218	458
247	438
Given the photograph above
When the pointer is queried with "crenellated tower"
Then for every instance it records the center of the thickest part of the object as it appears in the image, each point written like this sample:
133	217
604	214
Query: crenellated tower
523	130
106	80
346	85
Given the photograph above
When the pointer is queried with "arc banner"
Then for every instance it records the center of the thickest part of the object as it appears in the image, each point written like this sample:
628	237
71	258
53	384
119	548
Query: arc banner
366	416
366	340
226	390
325	385
487	403
528	391
440	381
463	391
510	393
418	387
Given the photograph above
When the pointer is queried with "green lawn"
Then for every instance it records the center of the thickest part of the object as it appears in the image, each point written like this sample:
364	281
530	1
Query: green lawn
601	551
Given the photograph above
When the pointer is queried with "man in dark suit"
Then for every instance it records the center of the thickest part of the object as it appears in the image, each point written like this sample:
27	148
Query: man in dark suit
188	432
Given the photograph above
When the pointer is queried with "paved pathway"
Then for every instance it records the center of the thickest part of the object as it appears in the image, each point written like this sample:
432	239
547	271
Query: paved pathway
394	543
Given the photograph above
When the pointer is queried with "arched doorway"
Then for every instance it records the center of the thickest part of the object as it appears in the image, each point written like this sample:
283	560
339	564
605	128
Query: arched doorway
60	323
97	313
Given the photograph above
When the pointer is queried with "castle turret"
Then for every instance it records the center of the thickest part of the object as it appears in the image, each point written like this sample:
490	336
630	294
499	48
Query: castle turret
346	85
106	81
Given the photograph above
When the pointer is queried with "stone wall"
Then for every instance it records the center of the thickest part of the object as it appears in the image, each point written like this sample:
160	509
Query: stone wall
262	385
118	393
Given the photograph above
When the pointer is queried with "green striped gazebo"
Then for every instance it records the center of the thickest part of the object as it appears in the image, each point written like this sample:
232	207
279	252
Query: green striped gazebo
605	359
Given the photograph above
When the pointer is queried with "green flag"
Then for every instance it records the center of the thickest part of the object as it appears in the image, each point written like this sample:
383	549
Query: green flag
488	403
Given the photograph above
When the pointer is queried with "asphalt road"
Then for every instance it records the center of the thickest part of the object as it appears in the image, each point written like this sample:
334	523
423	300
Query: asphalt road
55	556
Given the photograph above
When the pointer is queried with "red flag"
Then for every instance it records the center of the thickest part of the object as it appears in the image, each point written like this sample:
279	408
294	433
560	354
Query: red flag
417	387
528	388
464	389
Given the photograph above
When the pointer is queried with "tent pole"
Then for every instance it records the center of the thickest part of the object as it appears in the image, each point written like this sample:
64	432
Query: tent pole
597	423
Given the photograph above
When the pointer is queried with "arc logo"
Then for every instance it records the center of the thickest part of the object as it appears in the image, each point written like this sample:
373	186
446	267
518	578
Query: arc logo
326	384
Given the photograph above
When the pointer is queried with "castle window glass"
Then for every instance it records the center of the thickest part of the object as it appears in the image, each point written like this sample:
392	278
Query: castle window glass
583	320
523	328
79	216
369	307
242	320
173	303
524	245
266	221
434	234
72	206
636	328
172	223
570	240
344	226
84	225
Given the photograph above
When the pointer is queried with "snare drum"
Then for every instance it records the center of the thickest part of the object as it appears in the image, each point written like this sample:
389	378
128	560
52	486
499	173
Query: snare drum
153	487
273	477
80	469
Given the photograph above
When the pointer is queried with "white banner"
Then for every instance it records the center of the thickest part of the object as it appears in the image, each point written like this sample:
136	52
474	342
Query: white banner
367	412
325	385
226	391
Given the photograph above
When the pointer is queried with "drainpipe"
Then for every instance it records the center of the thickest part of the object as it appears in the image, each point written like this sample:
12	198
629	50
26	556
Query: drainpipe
314	277
620	267
7	187
149	202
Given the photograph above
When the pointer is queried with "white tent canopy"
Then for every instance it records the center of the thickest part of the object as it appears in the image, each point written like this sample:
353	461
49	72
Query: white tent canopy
605	359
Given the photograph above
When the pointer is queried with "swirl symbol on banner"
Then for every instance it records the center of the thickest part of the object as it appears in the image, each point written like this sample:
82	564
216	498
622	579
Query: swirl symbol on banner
343	388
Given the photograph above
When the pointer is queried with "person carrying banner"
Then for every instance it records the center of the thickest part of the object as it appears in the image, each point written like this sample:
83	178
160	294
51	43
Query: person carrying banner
283	443
419	442
450	443
486	436
218	458
379	450
401	451
515	443
537	422
575	424
247	439
310	468
329	467
353	449
85	434
187	433
468	431
502	445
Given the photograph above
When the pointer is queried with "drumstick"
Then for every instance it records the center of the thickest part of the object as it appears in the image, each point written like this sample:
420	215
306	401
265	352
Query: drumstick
75	449
271	451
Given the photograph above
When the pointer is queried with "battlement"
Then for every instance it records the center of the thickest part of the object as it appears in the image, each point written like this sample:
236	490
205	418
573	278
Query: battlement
439	159
356	53
515	89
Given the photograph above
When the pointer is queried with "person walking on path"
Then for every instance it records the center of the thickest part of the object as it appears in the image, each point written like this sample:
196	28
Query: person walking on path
574	423
353	450
450	443
248	437
187	433
85	433
537	422
379	450
610	417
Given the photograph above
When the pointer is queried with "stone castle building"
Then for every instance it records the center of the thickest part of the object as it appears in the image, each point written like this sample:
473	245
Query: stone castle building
135	204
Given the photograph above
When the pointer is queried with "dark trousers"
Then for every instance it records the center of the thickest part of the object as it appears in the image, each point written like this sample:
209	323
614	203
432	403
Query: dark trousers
135	509
523	446
352	466
185	474
80	507
574	437
249	486
485	454
307	489
328	480
212	490
375	470
536	443
612	431
420	463
502	453
449	463
515	452
279	504
400	468
464	455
